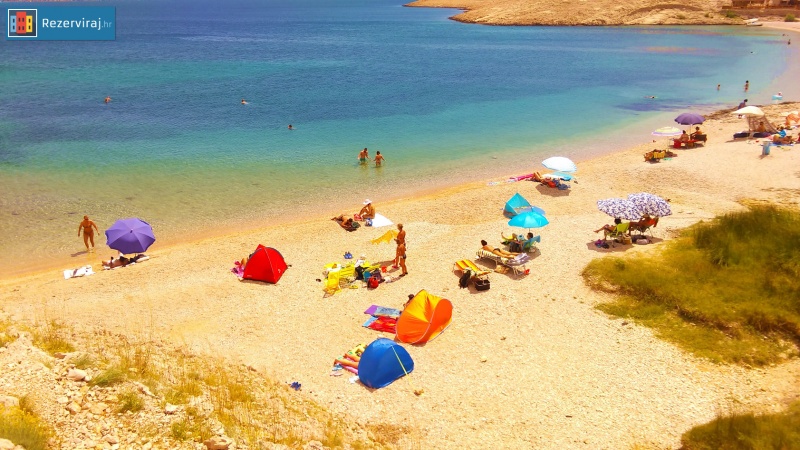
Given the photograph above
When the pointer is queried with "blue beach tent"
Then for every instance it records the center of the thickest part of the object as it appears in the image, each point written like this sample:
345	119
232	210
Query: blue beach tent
382	362
517	204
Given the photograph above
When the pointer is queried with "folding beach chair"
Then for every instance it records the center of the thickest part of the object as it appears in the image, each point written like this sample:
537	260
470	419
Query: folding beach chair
619	232
517	264
479	276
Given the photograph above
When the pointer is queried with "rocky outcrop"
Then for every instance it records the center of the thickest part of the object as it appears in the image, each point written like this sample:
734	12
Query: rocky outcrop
584	12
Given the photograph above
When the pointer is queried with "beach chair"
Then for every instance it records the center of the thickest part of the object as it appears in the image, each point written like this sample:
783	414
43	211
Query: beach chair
516	264
645	227
618	233
517	245
339	279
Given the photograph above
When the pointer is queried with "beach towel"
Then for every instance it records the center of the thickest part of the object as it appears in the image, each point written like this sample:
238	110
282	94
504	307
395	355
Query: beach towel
84	271
380	221
377	311
382	323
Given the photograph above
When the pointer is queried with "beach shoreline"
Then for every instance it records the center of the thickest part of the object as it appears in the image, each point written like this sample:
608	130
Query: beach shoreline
529	363
576	375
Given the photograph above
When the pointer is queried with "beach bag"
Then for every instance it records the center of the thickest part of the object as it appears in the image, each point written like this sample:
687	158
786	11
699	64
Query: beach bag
373	282
642	241
368	222
482	284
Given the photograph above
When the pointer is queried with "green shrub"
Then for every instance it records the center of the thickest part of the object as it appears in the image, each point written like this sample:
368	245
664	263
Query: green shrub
727	290
130	401
110	376
789	18
747	431
51	339
23	428
730	14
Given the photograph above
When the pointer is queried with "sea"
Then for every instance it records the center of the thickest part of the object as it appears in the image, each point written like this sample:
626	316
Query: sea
446	103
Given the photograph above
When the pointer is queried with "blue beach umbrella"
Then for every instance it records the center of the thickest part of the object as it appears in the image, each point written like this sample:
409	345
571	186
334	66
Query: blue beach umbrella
560	164
620	208
130	236
651	204
528	220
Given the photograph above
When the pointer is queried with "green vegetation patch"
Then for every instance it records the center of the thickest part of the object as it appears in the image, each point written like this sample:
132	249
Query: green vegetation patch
727	290
52	338
789	18
747	432
23	428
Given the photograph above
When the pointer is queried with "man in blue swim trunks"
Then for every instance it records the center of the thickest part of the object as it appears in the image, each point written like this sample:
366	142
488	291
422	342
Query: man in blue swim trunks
363	157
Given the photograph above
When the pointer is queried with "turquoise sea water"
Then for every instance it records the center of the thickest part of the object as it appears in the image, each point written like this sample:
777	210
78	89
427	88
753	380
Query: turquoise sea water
444	102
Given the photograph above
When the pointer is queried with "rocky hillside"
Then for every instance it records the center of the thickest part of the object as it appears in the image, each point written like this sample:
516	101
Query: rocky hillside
584	12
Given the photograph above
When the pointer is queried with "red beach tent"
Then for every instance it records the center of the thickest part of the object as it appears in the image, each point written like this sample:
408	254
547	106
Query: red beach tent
265	264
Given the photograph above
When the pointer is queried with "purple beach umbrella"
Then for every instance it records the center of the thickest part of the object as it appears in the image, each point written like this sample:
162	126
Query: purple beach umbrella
690	119
130	236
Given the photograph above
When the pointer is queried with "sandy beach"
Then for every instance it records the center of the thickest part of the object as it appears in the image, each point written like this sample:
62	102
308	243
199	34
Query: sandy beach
557	372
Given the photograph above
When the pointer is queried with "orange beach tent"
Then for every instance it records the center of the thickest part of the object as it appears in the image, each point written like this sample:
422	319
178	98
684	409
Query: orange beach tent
424	318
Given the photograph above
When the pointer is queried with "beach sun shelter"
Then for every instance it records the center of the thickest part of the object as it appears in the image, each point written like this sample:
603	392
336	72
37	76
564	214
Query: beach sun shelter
382	362
265	264
424	318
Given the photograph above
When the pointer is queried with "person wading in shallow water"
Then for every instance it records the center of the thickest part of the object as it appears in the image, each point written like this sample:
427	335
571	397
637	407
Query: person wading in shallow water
88	228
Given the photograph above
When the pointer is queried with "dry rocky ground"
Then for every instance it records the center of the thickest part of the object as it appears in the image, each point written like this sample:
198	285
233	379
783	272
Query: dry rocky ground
132	410
583	12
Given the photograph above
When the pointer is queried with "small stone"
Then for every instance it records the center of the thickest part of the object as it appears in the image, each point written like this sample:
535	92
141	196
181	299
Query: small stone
76	374
74	408
62	400
170	409
484	359
219	443
147	446
5	444
144	390
98	408
59	355
111	439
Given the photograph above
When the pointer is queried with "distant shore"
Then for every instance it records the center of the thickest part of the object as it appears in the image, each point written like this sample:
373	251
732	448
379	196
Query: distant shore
598	13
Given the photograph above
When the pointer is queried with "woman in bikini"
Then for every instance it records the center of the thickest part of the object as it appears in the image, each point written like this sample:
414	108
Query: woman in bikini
88	233
497	251
401	257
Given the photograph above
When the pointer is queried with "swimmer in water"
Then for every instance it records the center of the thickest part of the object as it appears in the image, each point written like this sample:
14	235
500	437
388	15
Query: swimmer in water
290	127
650	96
363	156
244	102
379	159
108	99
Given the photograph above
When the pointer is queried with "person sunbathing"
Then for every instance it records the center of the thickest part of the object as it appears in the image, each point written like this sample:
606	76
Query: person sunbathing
497	251
347	224
368	211
609	228
537	177
114	263
643	223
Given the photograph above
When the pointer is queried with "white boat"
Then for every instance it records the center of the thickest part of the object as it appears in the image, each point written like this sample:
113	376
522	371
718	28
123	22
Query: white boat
753	22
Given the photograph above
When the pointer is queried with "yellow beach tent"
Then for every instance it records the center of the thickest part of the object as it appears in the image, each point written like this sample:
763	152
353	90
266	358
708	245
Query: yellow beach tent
424	318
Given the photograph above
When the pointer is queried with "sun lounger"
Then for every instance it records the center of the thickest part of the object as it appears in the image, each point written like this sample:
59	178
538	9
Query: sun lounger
471	272
517	264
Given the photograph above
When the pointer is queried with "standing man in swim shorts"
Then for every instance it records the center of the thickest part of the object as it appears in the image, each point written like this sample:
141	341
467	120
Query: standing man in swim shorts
363	156
88	232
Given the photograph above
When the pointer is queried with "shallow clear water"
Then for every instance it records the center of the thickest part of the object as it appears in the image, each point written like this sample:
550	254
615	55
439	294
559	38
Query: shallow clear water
444	102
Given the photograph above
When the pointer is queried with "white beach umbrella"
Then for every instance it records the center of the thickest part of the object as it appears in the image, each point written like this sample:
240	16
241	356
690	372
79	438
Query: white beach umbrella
560	164
749	111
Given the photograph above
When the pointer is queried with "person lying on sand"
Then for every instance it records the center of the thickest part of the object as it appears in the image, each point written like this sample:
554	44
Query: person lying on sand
121	261
348	224
497	251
